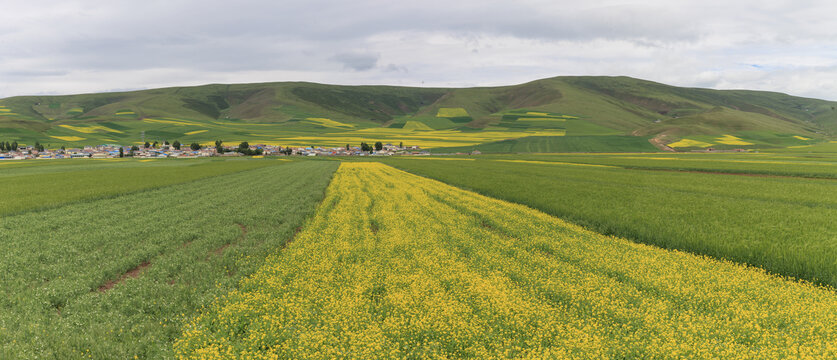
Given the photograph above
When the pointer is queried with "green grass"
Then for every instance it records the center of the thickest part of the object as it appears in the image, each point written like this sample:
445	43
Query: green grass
199	240
265	113
543	144
813	166
41	184
784	225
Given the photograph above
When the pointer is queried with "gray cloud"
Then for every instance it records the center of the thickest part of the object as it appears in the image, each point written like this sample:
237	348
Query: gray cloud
357	61
88	45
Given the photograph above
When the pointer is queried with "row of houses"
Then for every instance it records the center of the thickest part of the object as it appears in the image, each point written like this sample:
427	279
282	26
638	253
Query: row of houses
113	151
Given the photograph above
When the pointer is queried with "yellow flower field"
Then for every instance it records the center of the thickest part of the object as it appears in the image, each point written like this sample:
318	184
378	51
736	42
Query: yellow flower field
689	143
90	129
69	138
732	140
329	123
801	137
451	112
395	265
195	132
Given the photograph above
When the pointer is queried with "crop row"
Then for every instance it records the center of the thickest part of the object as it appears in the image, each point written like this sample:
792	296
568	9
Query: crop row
784	225
398	266
54	183
116	278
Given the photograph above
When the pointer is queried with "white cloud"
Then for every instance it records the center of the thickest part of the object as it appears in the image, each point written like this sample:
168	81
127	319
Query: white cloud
87	45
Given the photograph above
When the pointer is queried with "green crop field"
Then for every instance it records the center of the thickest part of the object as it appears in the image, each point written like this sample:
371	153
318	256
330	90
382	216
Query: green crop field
428	271
607	255
45	184
117	277
782	224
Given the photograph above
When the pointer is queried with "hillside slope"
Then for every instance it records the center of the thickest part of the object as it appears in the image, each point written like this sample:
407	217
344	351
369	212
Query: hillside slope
298	113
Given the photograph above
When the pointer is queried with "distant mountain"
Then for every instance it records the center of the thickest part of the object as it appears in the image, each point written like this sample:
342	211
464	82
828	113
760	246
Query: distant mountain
318	114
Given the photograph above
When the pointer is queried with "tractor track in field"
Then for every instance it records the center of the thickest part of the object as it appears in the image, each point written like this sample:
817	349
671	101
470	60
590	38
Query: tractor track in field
133	273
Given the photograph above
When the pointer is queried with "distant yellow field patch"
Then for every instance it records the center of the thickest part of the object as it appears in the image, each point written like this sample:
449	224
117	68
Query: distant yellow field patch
801	137
126	113
329	123
799	146
537	113
732	140
147	160
689	143
76	109
451	112
5	110
416	125
195	132
90	129
68	138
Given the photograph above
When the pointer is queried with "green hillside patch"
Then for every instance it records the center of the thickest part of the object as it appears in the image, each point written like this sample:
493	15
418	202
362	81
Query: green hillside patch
576	106
560	144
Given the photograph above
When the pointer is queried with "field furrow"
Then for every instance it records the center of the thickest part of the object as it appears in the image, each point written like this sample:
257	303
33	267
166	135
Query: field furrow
394	265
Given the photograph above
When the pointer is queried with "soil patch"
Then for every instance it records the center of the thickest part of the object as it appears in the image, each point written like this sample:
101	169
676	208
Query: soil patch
135	272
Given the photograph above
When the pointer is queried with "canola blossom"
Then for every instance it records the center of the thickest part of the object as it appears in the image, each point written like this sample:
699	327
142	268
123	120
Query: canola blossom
394	265
689	143
732	140
451	112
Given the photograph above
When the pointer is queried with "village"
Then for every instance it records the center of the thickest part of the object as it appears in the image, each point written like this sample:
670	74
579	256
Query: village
107	151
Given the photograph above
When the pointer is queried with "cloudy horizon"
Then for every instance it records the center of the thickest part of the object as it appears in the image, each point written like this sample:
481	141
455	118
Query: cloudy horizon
61	47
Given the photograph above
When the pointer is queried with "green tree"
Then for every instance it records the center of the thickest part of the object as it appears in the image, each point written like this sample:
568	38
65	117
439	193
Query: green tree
347	147
156	144
195	146
134	148
379	146
244	147
14	146
147	145
219	147
176	145
166	142
2	146
401	145
365	147
121	152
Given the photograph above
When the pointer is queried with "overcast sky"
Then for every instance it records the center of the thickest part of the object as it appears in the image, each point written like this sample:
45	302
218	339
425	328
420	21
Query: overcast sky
62	47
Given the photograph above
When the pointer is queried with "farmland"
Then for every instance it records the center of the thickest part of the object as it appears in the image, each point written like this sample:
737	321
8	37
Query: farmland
117	277
572	255
782	224
32	186
598	114
407	267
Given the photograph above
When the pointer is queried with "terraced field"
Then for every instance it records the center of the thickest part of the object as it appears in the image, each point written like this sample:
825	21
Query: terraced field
407	267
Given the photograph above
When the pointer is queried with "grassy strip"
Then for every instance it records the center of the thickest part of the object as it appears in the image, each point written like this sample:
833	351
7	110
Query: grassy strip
824	167
407	267
604	143
41	187
784	225
116	278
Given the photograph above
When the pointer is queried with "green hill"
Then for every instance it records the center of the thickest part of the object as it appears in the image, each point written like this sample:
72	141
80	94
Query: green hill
297	113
